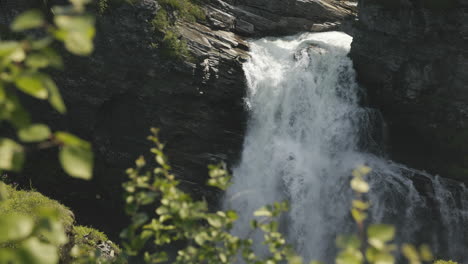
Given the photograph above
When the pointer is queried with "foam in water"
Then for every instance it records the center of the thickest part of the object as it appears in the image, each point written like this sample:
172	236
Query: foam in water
307	132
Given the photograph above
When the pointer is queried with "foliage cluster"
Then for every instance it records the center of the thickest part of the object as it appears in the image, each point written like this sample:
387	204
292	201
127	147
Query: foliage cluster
52	224
164	22
24	65
206	236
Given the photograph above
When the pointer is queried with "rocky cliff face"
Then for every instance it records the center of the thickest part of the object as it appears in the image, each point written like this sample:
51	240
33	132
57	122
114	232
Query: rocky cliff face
126	87
412	56
271	17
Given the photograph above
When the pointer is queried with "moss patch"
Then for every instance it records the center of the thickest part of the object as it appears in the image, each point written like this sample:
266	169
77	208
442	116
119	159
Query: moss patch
30	203
172	45
88	239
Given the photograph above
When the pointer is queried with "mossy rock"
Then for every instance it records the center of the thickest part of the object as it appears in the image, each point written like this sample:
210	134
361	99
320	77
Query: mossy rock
87	239
30	203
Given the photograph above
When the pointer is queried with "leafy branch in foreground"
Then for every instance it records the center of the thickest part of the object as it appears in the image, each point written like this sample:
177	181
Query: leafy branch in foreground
205	237
23	68
162	213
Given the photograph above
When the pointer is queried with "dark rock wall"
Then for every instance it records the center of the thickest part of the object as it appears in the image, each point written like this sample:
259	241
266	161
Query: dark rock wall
412	56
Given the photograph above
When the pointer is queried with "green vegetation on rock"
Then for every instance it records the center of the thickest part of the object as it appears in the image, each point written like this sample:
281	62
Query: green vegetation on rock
164	23
30	203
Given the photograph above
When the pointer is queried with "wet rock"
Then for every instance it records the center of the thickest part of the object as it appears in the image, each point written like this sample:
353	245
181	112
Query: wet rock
412	56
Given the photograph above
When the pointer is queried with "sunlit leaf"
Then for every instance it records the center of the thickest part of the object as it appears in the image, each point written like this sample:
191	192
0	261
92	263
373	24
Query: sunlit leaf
7	47
358	204
37	60
31	83
384	258
28	20
11	155
263	212
53	232
410	252
37	252
77	161
71	140
345	242
215	221
15	227
426	253
359	185
55	99
364	170
34	133
79	43
77	33
349	257
381	232
39	44
358	215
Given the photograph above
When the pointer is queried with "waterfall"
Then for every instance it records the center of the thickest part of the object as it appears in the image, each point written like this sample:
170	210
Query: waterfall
307	132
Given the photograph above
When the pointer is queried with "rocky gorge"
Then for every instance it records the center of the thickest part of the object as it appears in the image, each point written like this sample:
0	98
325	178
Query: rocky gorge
409	55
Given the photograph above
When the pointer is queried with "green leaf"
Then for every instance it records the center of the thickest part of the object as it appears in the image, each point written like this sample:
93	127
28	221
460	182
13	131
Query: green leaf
34	133
349	257
37	61
359	185
55	99
410	252
77	33
78	43
28	20
2	93
384	258
11	155
12	50
361	171
381	232
360	205
77	161
15	227
7	47
345	242
39	44
358	215
18	55
71	140
53	232
31	83
214	221
35	252
263	212
426	253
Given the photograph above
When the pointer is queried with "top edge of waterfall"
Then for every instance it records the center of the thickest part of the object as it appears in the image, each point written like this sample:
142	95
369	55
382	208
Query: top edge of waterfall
332	38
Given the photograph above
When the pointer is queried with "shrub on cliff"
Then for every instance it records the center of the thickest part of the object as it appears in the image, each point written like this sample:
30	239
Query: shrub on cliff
165	20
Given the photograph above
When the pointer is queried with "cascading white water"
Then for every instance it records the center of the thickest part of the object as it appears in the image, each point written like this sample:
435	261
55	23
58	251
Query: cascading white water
307	132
